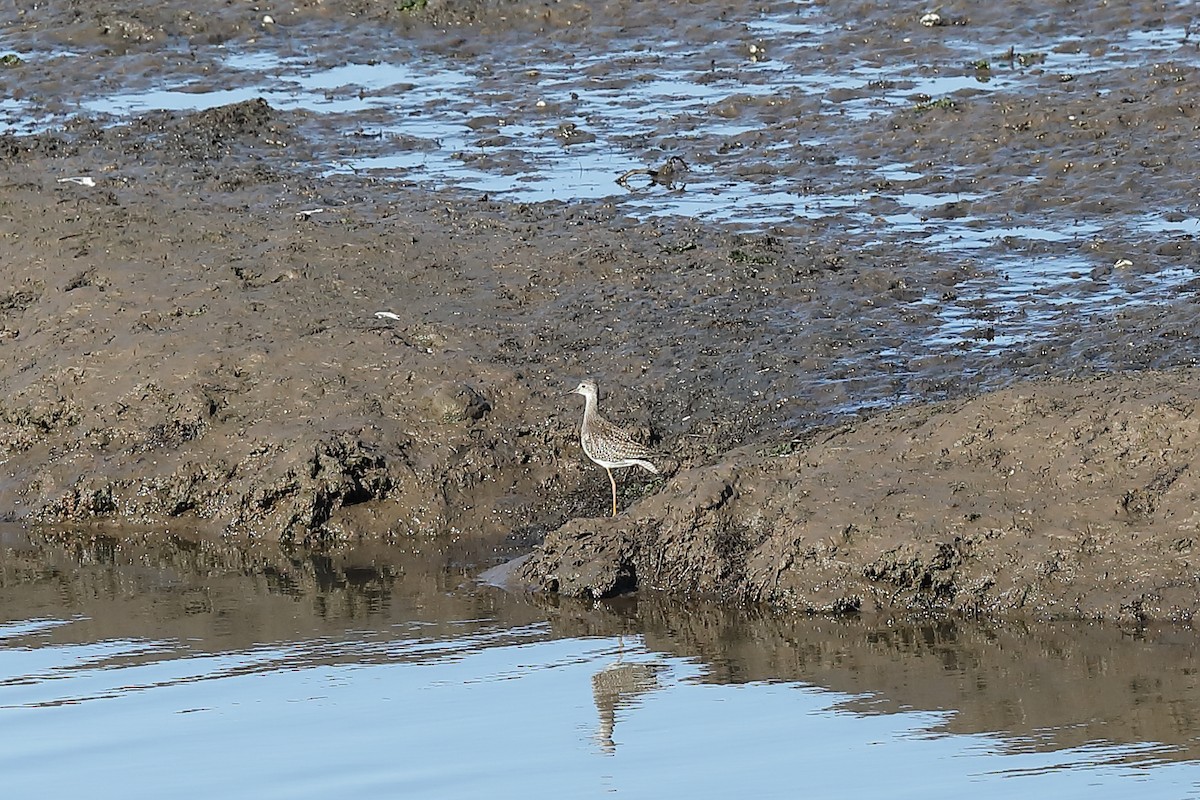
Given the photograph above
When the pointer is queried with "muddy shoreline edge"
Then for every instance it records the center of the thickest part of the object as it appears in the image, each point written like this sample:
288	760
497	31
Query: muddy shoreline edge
1053	499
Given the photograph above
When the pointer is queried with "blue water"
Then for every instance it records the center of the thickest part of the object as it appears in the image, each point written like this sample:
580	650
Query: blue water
414	695
479	717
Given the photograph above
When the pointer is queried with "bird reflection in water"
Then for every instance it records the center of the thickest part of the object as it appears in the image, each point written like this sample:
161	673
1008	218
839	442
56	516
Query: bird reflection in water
618	687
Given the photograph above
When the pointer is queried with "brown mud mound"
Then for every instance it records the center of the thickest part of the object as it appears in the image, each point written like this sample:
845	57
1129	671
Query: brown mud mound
1056	498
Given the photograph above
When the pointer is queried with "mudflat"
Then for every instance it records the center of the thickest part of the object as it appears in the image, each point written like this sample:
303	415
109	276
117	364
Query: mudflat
955	372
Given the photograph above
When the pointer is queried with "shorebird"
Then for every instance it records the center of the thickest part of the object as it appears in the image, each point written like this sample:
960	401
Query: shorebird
605	443
672	174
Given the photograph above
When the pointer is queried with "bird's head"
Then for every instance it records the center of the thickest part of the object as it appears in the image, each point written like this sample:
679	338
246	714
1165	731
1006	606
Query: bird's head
587	388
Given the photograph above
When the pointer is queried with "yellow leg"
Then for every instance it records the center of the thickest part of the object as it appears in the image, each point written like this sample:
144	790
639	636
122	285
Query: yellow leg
613	481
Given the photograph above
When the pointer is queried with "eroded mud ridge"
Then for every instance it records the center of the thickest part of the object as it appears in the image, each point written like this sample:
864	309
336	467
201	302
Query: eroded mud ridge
1071	498
958	378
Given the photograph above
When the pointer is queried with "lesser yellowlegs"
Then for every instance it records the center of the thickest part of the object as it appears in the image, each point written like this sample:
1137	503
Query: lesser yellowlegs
605	443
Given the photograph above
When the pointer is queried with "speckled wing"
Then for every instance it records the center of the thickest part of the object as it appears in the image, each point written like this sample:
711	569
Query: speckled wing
608	445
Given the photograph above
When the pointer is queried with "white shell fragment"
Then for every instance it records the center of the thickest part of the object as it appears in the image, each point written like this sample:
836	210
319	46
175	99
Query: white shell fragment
82	180
931	20
387	315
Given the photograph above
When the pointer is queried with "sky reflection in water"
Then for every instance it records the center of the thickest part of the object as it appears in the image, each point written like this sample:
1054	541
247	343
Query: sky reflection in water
502	710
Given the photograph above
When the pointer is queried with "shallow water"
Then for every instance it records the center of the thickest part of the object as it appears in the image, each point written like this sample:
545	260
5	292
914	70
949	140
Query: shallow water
161	666
531	121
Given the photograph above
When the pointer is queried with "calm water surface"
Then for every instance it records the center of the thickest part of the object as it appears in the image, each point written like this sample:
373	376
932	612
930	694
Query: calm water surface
155	666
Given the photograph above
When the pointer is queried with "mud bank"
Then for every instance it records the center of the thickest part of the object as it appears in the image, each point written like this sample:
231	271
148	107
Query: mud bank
276	356
1050	499
208	321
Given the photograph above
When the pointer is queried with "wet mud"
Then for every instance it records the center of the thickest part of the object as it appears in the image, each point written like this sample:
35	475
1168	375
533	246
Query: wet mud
1045	500
960	378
